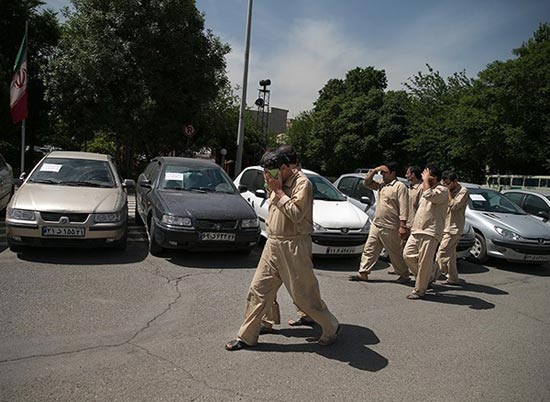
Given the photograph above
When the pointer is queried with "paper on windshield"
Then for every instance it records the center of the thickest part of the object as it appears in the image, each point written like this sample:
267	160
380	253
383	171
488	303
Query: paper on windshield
477	197
173	176
51	167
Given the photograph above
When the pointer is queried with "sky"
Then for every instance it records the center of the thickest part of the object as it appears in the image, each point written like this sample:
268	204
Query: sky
301	44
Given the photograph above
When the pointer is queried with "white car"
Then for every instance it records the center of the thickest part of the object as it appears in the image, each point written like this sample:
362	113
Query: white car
339	228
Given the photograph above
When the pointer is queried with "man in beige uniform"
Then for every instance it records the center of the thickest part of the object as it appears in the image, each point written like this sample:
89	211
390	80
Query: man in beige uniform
286	257
454	224
389	224
414	176
426	231
273	315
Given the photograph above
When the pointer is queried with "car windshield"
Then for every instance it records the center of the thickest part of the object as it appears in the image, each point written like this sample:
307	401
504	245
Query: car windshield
324	190
202	179
491	201
74	172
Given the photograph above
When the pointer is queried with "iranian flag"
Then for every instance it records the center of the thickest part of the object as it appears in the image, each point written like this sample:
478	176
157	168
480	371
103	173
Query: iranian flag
18	89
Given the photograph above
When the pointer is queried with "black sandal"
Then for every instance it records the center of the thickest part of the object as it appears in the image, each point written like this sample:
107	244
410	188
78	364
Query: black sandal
236	344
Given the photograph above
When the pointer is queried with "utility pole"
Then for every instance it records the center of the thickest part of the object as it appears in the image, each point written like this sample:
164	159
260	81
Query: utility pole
240	135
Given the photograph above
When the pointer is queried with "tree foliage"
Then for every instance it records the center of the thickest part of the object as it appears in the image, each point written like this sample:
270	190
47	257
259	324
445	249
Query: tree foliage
352	124
138	69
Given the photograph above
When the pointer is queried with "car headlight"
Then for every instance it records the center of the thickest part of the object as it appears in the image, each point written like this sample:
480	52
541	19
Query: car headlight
250	223
108	218
176	220
21	214
318	228
366	228
508	233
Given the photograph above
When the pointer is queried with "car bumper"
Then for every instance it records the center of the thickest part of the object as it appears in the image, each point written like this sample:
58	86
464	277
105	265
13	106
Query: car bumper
519	251
32	235
190	239
338	244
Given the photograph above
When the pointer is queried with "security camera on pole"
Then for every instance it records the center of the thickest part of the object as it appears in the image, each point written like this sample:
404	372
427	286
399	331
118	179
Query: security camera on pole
263	108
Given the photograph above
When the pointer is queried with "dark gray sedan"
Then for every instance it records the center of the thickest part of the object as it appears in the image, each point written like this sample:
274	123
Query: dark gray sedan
192	204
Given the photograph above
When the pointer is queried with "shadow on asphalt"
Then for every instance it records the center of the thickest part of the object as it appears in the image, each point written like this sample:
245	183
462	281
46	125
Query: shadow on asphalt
475	303
82	256
213	260
467	267
350	264
350	347
472	287
528	269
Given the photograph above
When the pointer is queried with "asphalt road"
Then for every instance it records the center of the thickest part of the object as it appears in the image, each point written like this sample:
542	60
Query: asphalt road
105	325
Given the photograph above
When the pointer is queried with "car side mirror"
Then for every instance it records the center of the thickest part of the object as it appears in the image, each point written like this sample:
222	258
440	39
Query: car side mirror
145	183
128	183
260	193
543	214
243	188
365	200
18	182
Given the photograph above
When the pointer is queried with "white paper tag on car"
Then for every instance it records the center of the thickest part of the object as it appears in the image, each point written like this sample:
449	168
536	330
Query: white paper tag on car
173	176
477	197
50	167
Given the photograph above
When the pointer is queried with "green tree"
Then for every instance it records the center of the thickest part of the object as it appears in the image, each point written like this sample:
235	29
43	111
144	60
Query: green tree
140	70
344	129
516	95
44	32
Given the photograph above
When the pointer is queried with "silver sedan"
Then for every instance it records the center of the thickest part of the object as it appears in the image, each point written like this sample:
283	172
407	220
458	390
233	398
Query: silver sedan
504	230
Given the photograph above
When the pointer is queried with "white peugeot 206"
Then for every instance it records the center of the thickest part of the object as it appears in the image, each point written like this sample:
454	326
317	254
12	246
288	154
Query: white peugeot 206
339	227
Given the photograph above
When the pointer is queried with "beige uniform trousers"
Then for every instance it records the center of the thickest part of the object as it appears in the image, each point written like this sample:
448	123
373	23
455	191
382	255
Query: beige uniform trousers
273	315
285	262
446	256
389	239
419	255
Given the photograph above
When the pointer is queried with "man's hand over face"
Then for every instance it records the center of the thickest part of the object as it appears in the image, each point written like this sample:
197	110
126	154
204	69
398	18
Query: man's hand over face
274	184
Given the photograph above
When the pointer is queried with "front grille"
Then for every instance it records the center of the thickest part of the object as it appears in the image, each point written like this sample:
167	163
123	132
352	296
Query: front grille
55	216
337	240
216	226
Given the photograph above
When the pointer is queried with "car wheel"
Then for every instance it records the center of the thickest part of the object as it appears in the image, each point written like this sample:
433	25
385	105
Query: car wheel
384	256
14	248
122	242
478	252
154	248
139	221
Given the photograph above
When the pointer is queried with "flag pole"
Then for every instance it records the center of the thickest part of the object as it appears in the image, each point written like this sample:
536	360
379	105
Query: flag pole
23	125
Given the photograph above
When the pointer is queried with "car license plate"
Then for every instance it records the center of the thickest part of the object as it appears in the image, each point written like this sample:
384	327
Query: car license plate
62	232
214	236
340	250
541	258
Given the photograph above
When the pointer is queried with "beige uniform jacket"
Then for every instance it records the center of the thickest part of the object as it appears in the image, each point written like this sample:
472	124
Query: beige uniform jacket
292	214
456	211
415	192
431	213
392	205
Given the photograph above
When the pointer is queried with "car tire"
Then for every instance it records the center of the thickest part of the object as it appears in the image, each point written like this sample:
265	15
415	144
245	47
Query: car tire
139	221
14	248
122	243
478	252
384	256
154	248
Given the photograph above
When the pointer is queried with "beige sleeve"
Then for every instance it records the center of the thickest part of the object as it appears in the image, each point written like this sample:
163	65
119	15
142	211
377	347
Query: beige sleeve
436	195
298	204
460	201
403	199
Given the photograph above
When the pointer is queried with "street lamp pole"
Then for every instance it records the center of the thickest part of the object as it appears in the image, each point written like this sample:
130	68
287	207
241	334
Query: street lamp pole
240	135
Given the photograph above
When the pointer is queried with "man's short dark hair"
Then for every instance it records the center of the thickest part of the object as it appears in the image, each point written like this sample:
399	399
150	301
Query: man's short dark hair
435	171
449	175
273	160
392	166
290	153
416	171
